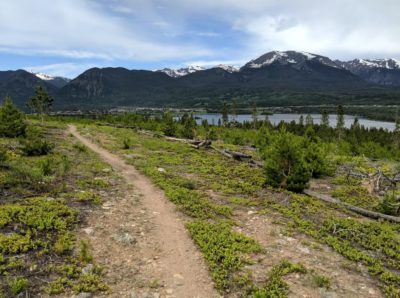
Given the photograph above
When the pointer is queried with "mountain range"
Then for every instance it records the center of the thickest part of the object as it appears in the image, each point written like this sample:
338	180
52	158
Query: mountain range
275	78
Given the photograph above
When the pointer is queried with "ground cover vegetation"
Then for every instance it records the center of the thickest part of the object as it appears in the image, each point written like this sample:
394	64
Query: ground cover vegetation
211	189
43	177
43	202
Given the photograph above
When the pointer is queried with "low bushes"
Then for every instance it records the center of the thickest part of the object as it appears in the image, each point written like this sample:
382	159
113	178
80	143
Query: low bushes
34	144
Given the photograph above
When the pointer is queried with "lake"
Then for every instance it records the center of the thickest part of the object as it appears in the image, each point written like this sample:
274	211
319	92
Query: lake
276	118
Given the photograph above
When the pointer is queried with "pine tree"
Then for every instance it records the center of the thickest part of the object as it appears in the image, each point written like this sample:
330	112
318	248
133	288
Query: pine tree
309	120
254	115
314	153
225	114
234	112
205	124
396	131
170	125
285	165
325	118
301	120
189	127
340	121
12	120
356	124
41	103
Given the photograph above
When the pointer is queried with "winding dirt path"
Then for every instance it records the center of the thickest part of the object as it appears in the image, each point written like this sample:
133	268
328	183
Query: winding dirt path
179	263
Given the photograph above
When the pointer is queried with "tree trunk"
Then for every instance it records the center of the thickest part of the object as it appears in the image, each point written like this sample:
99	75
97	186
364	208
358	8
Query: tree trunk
364	212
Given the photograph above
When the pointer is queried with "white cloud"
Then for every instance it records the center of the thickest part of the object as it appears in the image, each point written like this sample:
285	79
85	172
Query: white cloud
342	29
78	29
162	30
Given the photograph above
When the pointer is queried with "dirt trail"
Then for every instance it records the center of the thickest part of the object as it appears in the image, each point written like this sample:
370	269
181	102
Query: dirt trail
179	264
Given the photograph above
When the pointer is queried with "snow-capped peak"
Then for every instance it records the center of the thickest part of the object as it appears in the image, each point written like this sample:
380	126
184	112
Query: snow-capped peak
288	58
228	68
194	68
42	76
175	73
308	55
378	63
46	77
53	80
266	59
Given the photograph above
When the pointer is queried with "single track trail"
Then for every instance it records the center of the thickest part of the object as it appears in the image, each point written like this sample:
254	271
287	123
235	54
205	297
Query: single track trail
177	265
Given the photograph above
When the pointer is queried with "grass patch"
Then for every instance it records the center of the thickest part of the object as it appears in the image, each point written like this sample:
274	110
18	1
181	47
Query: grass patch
276	286
321	281
226	251
37	221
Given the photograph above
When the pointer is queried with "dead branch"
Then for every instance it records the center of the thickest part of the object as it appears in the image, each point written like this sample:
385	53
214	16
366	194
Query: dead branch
358	210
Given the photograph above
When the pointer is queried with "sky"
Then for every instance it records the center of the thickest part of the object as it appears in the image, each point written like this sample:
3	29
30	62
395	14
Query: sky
66	37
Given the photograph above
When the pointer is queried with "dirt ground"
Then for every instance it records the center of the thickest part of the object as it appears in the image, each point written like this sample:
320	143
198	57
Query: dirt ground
143	244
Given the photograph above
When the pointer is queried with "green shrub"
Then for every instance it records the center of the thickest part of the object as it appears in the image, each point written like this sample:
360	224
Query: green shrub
65	164
47	166
57	286
18	285
88	197
275	286
285	165
224	249
126	144
90	283
12	120
390	204
80	147
84	253
34	144
321	281
35	147
3	157
64	243
95	183
170	125
315	155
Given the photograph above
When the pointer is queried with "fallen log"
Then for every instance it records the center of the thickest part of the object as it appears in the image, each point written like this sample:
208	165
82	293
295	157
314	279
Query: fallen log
256	164
358	210
238	155
223	152
197	145
201	144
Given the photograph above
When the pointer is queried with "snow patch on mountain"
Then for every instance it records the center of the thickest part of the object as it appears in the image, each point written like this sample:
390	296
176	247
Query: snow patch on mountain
308	55
42	76
46	77
176	73
289	57
272	57
390	63
228	68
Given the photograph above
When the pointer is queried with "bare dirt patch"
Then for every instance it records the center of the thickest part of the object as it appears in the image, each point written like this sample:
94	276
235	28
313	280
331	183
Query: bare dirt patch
347	279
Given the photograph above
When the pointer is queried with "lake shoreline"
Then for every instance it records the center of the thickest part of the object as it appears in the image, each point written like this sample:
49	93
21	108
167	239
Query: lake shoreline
275	119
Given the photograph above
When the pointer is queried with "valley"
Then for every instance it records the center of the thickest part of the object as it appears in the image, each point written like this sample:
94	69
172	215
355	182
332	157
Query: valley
274	79
199	149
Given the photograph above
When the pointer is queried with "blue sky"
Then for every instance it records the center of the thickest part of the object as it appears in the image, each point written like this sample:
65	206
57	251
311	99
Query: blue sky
66	37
